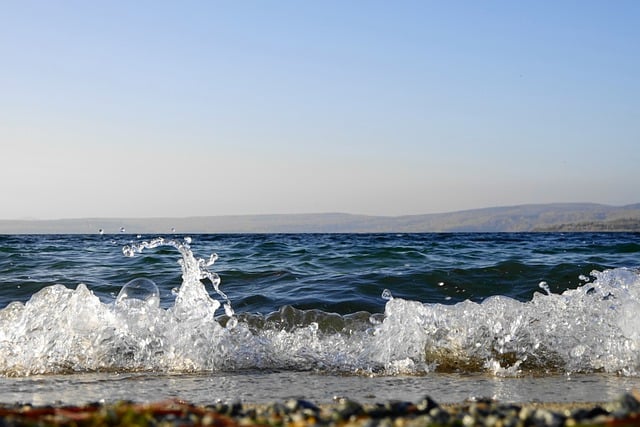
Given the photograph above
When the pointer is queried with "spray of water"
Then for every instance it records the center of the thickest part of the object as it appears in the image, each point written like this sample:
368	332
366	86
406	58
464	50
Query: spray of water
192	293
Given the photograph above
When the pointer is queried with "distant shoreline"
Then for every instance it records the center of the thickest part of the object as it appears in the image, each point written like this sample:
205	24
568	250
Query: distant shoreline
555	217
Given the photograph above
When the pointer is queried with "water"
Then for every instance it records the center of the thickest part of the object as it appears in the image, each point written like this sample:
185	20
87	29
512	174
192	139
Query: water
372	317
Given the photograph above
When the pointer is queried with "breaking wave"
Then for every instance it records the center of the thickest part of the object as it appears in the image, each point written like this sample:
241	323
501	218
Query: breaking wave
593	328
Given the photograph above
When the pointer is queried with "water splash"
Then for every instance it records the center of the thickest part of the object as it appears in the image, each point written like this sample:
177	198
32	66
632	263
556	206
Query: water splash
545	287
139	293
192	293
65	330
593	328
589	329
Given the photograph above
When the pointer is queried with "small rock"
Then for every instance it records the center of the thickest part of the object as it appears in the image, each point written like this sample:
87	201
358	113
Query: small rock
439	416
277	409
348	408
426	405
629	403
544	418
304	406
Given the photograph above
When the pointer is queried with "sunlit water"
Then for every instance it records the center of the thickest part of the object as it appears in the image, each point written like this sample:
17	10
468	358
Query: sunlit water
367	316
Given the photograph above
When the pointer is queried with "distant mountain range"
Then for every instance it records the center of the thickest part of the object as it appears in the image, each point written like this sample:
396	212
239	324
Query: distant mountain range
565	217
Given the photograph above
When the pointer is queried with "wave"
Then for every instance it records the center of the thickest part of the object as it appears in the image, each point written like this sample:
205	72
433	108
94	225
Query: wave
592	328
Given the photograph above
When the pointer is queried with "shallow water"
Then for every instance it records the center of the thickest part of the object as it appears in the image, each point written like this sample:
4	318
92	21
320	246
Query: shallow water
266	387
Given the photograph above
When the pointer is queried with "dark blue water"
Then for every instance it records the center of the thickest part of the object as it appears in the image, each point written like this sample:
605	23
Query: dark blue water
342	273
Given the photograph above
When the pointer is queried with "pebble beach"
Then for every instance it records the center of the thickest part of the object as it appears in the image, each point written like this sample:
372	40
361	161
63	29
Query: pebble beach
624	411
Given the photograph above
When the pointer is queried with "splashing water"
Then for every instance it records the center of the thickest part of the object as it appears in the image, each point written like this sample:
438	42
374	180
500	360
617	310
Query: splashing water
139	293
594	328
192	294
63	330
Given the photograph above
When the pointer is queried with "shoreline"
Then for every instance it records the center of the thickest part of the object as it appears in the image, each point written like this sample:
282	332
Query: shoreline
560	217
264	387
299	413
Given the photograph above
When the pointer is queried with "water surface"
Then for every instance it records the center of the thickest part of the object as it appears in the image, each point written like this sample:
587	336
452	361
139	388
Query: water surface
372	316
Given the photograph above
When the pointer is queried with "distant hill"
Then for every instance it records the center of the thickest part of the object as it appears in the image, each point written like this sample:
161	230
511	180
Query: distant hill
542	217
621	224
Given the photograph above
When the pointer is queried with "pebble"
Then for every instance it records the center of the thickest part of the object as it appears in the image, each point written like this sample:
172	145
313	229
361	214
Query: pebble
344	412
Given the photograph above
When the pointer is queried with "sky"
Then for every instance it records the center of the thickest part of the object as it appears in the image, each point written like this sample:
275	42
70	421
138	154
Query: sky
192	108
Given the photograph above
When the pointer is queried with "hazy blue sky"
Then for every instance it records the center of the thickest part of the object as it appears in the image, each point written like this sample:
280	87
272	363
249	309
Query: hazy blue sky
150	108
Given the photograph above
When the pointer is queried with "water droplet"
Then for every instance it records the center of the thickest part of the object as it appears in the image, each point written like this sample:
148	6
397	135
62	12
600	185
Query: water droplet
578	351
543	285
232	323
173	229
122	230
101	231
386	295
213	258
139	292
128	251
228	310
